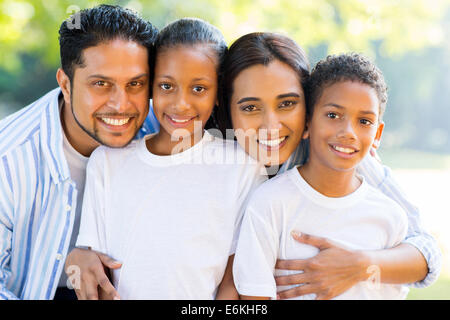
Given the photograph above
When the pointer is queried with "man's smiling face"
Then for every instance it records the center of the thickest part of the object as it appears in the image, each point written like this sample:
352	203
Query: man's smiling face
110	91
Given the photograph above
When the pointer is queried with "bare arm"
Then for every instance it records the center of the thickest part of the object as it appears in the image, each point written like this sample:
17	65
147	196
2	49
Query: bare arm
227	290
334	269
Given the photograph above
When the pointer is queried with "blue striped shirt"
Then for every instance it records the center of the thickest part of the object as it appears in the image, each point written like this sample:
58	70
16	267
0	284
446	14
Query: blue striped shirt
380	177
37	199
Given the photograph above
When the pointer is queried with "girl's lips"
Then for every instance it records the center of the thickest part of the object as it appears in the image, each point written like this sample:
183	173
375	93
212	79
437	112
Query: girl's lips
179	122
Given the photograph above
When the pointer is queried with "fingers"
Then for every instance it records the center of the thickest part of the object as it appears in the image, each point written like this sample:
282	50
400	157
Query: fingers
106	286
291	264
299	278
296	292
319	242
108	262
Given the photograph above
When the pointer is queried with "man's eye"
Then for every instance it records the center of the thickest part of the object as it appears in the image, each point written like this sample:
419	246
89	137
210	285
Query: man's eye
100	83
135	83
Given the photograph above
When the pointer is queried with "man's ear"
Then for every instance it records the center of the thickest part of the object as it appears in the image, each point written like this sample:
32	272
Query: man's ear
64	84
377	140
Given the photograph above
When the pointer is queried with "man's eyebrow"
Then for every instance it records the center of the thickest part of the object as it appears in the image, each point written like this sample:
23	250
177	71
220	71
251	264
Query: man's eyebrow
100	76
248	99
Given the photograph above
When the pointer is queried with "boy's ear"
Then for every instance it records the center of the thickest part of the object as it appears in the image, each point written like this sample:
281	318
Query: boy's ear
64	84
377	140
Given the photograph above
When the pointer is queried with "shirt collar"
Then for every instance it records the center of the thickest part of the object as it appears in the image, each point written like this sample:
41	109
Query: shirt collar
52	138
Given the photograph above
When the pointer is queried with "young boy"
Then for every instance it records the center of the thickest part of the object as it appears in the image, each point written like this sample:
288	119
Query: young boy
325	197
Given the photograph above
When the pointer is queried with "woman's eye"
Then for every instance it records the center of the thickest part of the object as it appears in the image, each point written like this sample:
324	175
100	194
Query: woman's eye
248	108
287	104
332	115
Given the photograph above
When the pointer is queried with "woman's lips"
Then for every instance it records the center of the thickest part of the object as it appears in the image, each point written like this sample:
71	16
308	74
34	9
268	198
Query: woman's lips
273	144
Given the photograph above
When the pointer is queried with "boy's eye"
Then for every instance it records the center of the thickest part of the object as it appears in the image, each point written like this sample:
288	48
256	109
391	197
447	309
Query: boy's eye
365	122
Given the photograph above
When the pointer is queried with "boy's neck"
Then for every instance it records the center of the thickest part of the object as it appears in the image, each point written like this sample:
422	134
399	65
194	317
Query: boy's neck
161	143
329	182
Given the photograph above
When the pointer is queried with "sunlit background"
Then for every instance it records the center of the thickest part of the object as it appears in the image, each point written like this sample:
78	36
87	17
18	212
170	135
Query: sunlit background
408	39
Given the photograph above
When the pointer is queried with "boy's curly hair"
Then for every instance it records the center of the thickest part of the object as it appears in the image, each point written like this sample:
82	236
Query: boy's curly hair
344	67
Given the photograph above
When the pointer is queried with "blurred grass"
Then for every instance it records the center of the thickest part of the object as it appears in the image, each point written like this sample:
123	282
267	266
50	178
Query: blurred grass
440	290
414	159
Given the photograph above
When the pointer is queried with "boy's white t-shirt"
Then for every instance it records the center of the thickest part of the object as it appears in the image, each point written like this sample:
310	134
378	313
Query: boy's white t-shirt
173	221
364	220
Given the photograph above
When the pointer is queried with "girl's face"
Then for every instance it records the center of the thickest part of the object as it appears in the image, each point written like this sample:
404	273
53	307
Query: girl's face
184	89
267	111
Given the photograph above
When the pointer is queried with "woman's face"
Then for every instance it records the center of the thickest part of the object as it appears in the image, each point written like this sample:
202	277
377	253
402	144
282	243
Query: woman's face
267	111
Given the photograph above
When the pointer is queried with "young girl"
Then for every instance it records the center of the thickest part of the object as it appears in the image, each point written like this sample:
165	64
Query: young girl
169	206
256	96
325	197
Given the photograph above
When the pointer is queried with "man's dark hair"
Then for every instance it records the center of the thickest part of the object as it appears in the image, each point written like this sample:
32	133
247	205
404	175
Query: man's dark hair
345	67
258	48
103	23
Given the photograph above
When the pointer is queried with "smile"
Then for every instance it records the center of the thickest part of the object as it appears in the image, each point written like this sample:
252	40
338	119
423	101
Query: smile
344	151
272	143
179	121
115	122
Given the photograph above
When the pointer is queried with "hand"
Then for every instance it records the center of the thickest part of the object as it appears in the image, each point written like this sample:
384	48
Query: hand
328	274
93	282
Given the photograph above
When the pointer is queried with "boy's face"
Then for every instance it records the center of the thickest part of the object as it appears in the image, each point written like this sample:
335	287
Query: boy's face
344	125
184	89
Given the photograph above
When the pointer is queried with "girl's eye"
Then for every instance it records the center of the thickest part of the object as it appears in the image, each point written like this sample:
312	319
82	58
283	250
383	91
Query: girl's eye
332	115
248	108
199	89
165	86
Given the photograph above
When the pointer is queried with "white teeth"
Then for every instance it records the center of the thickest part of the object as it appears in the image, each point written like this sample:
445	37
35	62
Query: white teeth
344	150
272	143
179	121
115	122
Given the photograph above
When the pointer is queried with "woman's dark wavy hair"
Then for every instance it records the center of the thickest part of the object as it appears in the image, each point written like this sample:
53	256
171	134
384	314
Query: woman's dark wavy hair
103	23
253	49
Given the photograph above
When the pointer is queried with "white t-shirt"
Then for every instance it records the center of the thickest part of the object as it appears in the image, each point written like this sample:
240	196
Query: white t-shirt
173	221
364	220
77	166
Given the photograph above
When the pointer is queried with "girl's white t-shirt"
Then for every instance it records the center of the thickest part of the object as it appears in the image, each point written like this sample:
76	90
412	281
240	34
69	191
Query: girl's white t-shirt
364	220
173	221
